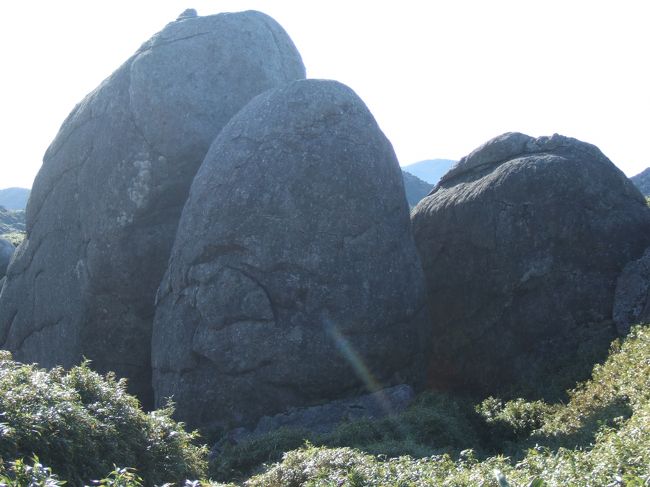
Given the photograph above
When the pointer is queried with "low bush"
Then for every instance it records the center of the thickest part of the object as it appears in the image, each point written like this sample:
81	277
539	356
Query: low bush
81	424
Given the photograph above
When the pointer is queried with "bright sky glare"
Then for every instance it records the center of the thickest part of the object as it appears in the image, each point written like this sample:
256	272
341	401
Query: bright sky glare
441	77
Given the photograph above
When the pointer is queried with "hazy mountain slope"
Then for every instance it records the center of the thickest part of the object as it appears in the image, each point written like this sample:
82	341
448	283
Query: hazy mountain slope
430	170
415	188
642	181
11	221
14	198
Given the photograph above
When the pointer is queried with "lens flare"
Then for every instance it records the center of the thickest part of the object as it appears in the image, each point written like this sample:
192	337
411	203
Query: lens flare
354	359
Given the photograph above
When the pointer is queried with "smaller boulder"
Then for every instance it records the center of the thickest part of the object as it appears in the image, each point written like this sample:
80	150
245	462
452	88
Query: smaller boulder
6	252
631	301
325	418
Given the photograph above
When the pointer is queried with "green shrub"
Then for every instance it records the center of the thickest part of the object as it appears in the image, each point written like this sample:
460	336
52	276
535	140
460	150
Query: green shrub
82	424
235	461
514	420
20	473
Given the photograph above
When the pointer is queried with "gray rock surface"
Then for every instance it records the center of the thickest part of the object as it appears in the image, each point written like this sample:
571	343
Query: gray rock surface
105	206
294	279
522	243
324	418
632	299
6	252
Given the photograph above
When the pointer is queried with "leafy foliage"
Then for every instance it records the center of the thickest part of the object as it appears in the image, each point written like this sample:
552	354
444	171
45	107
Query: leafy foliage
82	424
20	473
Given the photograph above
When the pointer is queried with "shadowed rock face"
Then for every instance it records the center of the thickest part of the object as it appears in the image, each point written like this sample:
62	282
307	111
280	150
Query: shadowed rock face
294	279
522	242
105	206
632	301
6	251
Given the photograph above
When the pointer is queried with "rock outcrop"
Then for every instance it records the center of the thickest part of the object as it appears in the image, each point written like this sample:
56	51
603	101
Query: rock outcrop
632	299
522	242
294	279
325	418
6	252
105	206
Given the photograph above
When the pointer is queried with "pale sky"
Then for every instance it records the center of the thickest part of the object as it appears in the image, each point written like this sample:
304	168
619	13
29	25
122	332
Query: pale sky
441	77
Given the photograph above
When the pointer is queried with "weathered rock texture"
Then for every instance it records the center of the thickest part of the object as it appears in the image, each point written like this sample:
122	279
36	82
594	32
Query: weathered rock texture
522	242
6	252
104	209
632	300
294	279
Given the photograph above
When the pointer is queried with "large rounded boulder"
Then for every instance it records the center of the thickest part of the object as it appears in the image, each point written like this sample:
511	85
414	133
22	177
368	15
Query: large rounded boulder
104	209
294	279
522	242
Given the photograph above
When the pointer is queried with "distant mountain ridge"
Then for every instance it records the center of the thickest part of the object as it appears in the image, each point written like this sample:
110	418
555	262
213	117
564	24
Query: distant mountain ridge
14	198
430	170
642	181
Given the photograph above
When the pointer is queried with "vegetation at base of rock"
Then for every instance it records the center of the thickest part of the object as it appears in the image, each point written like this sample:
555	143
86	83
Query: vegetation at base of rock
601	436
81	425
434	424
